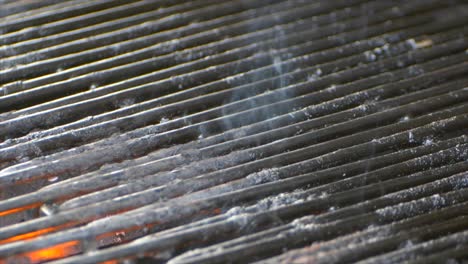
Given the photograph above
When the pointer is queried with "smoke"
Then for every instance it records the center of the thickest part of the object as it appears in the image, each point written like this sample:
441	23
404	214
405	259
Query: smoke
277	71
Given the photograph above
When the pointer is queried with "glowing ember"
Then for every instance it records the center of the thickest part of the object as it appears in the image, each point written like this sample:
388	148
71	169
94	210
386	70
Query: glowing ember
35	234
55	252
110	262
47	254
20	209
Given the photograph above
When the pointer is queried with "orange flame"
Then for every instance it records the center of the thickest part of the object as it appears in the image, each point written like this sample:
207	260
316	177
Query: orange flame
35	234
28	236
20	209
46	254
55	252
69	248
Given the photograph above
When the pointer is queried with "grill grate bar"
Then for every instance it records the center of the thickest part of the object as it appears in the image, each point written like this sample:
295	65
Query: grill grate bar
275	243
10	8
108	101
25	42
456	43
49	93
68	9
172	22
36	144
144	54
96	182
426	248
169	191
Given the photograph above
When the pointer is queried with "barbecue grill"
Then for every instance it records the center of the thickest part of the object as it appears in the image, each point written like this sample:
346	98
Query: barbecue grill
205	131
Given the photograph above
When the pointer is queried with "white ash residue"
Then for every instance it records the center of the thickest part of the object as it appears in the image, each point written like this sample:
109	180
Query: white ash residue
242	220
385	49
314	76
304	224
412	43
282	199
164	120
370	56
331	88
93	86
235	211
126	102
407	244
405	119
411	138
272	202
241	215
428	141
234	79
263	176
364	107
459	181
408	249
332	251
238	215
413	207
323	195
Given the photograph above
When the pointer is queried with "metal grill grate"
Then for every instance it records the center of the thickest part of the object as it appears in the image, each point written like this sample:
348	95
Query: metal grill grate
233	131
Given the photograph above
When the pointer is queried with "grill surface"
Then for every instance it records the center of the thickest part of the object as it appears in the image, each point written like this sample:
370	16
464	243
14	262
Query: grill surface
233	131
